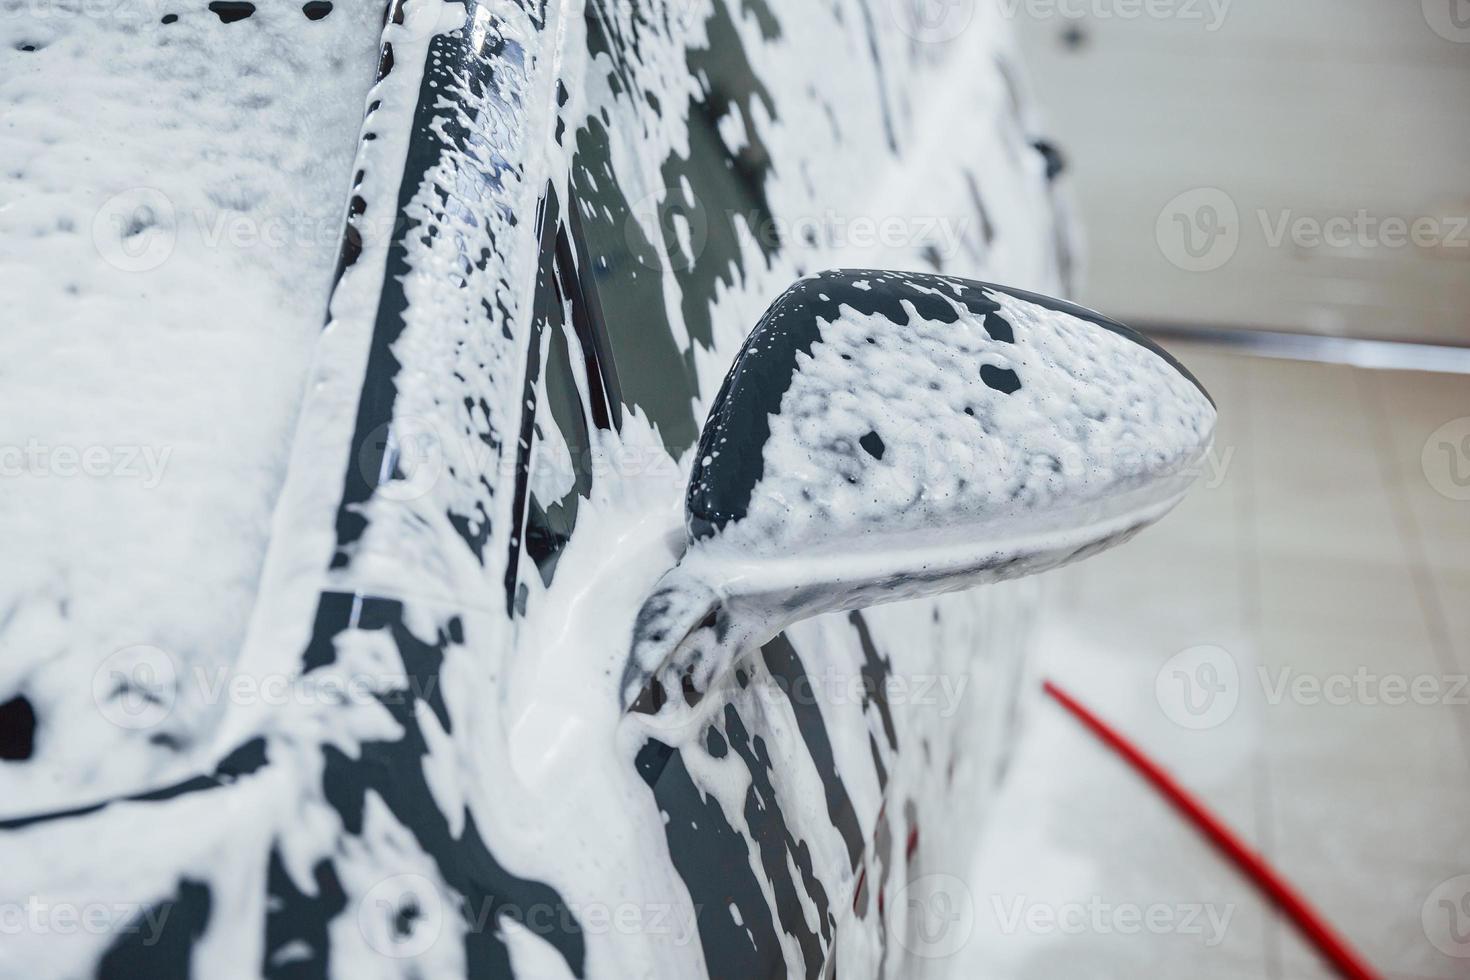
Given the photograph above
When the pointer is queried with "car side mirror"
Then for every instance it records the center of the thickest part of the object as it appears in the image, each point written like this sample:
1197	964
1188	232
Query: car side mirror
883	436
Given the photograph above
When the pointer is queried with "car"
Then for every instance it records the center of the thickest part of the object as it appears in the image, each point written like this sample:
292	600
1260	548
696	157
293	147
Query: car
617	610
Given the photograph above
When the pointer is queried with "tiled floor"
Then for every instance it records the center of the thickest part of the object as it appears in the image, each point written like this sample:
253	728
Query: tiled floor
1293	643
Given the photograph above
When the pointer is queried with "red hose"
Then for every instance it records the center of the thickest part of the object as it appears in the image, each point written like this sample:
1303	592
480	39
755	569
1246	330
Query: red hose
1311	923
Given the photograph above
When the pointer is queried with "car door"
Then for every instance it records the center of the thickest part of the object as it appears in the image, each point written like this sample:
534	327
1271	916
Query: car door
714	153
563	221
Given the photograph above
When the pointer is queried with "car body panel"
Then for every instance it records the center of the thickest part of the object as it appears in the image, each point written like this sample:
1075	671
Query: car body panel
172	192
562	223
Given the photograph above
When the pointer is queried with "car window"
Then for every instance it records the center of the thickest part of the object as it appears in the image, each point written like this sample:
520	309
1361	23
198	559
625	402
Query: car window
572	390
620	307
695	201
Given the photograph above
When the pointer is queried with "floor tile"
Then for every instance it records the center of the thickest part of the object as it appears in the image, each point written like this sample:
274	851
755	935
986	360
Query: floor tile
1326	579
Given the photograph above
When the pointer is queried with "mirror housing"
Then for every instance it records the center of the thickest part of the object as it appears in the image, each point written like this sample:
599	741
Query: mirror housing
885	436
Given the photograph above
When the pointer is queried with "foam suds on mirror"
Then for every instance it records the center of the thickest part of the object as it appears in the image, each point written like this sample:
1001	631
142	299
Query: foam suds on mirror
1080	413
